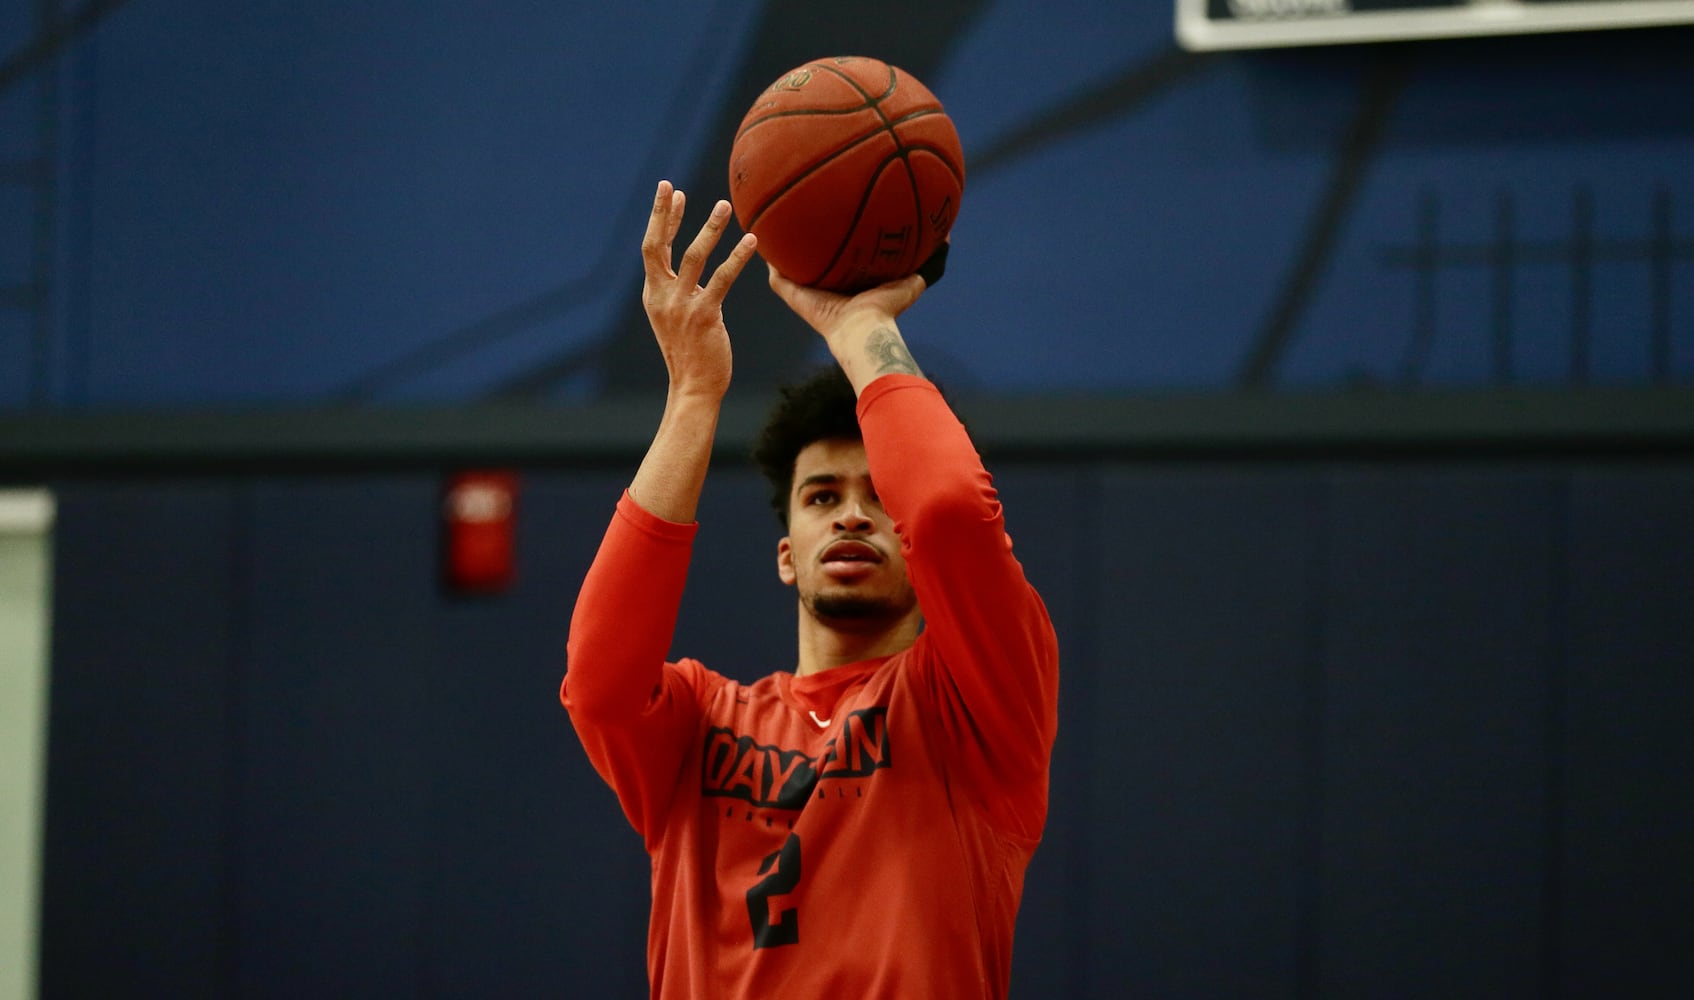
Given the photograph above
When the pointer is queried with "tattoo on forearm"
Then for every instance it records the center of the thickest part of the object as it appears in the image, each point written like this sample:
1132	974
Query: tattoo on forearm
889	352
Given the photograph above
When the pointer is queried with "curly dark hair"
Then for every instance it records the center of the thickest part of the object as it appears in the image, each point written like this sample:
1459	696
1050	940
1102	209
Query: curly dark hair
821	408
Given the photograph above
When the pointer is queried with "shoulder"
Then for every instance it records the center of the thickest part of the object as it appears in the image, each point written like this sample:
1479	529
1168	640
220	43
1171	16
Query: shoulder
696	678
724	696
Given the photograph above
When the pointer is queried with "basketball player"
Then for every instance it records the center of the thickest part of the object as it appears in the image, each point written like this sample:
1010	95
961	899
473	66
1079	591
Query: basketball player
860	826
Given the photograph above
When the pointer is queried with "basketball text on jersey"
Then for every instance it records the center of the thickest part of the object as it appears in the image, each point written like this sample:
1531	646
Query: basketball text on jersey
772	777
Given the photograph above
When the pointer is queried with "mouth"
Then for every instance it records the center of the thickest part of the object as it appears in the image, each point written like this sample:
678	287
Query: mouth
850	558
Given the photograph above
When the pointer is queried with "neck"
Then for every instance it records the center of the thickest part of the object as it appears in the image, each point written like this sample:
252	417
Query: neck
826	644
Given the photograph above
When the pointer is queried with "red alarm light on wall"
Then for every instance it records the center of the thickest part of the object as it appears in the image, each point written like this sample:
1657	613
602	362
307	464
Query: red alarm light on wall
479	511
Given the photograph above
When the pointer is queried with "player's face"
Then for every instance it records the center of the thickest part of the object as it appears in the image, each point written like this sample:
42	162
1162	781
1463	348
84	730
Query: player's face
841	552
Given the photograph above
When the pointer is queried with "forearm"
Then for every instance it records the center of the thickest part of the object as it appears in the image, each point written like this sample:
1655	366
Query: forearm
868	347
673	472
859	330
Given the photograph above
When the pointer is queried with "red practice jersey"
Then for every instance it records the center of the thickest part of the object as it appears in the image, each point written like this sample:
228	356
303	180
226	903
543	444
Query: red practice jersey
858	832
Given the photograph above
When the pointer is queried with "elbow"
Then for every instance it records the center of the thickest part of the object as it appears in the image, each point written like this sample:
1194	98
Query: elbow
609	690
583	691
948	505
589	702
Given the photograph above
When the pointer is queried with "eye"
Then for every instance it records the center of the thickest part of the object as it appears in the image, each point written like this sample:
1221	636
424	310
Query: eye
820	498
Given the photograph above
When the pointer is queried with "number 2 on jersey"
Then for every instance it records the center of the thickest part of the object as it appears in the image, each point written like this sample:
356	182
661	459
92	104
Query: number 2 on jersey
784	869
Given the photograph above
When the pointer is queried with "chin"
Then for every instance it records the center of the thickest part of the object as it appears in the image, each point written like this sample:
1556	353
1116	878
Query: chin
836	606
850	608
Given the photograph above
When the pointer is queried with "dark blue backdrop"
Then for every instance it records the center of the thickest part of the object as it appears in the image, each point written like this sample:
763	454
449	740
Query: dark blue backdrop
293	203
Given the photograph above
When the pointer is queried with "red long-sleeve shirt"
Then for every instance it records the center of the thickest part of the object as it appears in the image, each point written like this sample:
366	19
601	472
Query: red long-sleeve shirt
862	831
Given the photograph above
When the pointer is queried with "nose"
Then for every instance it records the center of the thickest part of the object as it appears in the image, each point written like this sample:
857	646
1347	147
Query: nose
852	517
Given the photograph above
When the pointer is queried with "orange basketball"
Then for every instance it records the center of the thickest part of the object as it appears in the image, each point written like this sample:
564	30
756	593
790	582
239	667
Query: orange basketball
848	171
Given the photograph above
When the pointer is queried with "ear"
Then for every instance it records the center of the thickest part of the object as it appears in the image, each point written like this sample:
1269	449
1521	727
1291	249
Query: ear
785	561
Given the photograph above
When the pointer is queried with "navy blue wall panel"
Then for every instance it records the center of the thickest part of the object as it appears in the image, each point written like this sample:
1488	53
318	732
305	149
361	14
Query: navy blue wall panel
1439	610
336	756
1625	874
143	793
1201	778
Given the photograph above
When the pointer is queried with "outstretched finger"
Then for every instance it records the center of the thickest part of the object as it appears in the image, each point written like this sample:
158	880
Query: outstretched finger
656	242
694	258
673	222
732	266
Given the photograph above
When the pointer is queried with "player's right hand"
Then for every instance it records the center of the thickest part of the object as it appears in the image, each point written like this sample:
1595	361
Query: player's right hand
829	312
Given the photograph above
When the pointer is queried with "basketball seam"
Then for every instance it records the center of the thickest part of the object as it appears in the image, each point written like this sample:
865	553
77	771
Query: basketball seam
900	153
841	150
803	113
864	199
809	171
872	101
951	168
812	112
